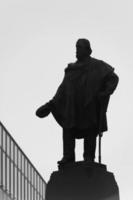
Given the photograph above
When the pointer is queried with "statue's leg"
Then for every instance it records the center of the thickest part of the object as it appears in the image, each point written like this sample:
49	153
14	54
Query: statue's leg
68	146
89	146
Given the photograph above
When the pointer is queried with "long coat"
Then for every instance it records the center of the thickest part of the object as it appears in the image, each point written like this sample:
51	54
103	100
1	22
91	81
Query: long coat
82	98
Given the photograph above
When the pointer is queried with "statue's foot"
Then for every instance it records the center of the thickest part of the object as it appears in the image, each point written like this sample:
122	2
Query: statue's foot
65	160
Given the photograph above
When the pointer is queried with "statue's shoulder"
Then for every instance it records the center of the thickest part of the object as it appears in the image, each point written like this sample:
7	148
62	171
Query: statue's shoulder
70	66
101	65
96	61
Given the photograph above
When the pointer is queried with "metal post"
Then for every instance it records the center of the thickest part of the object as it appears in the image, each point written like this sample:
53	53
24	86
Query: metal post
100	133
99	149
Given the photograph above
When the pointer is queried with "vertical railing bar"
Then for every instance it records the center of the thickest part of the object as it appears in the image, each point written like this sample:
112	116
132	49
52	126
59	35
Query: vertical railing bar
36	187
27	180
33	184
10	166
42	190
20	175
30	183
39	190
14	170
41	187
2	157
17	176
24	179
5	162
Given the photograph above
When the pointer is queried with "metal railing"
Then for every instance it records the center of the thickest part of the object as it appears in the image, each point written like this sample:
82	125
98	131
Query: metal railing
18	177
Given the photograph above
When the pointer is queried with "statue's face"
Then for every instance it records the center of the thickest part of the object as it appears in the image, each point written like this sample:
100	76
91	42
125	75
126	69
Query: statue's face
81	51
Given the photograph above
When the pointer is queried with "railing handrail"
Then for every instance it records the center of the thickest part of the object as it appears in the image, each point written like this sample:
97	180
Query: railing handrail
1	124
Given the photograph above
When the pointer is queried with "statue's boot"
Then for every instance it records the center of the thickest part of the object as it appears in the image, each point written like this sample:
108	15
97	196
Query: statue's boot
65	160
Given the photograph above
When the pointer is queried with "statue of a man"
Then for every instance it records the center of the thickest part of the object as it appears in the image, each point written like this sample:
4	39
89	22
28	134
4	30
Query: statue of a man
80	103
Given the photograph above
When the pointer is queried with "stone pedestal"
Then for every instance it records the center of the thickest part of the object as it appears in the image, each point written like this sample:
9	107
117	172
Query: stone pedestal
82	181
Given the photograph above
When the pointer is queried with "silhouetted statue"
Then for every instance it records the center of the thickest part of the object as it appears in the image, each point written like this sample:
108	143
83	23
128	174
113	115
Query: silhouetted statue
80	103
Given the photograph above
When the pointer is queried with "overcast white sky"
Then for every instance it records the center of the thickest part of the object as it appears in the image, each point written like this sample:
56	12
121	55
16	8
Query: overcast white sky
37	41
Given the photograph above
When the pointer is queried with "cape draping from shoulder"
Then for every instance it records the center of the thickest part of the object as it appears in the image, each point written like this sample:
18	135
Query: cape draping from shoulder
81	84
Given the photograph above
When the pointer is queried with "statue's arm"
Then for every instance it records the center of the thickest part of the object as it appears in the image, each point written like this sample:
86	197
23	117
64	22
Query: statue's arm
108	87
110	83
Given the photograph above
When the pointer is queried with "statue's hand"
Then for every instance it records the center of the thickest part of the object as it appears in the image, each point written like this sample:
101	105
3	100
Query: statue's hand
43	111
100	134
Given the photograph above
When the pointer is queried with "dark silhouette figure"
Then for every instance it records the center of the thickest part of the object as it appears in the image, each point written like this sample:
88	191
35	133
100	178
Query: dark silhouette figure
81	101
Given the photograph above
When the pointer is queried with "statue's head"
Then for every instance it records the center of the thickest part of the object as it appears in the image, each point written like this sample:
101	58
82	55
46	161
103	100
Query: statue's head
83	49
